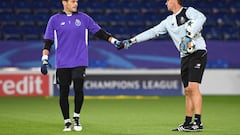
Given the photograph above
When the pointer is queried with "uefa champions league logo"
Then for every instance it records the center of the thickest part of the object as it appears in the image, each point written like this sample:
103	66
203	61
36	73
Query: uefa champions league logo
77	22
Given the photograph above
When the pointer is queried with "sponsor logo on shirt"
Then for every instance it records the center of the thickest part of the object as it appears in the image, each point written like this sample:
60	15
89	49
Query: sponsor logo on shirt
182	20
77	22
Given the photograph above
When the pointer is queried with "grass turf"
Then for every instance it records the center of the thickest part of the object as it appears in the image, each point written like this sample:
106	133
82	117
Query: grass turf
147	116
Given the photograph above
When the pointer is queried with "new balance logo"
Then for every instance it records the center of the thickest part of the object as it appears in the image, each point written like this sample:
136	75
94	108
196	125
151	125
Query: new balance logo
62	23
197	66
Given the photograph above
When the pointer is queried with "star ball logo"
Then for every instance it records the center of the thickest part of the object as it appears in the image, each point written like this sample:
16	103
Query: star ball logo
77	22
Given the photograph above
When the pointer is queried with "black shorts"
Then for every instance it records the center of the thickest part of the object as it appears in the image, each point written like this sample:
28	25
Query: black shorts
193	66
64	76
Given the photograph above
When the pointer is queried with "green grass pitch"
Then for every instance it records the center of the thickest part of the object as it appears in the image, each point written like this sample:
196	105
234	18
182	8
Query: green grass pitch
129	116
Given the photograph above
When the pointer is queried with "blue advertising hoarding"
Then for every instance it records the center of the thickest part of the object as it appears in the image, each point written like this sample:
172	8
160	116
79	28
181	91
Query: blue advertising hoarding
154	54
130	85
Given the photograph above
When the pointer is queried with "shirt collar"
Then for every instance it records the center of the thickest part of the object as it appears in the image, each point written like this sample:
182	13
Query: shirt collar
62	12
178	11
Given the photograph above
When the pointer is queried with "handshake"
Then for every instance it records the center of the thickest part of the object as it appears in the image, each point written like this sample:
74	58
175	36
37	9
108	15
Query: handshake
124	44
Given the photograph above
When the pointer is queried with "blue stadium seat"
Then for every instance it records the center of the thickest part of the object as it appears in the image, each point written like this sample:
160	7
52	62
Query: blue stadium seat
11	33
124	14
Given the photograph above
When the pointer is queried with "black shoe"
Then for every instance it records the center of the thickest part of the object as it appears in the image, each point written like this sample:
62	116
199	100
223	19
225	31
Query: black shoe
68	126
77	124
183	127
195	127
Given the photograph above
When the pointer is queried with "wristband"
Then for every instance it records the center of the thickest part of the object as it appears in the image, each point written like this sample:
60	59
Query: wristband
44	57
133	40
113	40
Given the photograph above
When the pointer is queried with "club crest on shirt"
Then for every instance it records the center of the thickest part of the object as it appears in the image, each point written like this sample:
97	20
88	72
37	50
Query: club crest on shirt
77	22
182	20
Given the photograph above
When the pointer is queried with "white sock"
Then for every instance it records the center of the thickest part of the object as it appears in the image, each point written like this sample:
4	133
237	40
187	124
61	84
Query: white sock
76	114
67	120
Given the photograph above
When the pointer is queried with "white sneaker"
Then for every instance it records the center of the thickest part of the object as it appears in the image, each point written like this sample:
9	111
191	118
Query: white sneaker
77	124
68	126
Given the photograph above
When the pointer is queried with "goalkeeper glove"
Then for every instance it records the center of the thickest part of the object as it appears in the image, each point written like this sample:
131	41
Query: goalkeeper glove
115	42
45	65
187	45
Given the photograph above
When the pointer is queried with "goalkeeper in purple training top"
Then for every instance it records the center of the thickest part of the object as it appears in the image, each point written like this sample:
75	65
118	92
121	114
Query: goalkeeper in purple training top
68	30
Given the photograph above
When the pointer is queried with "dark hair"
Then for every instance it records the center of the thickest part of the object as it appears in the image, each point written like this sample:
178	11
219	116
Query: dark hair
180	2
